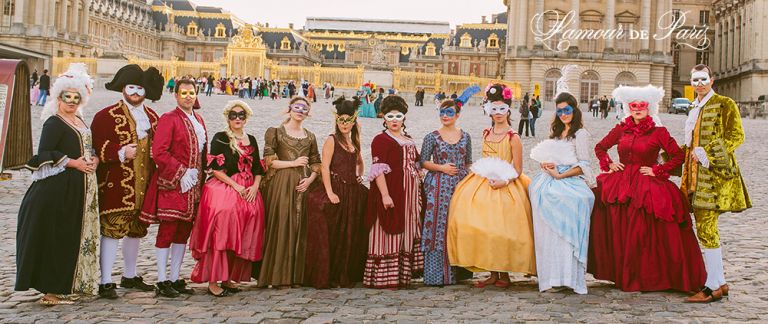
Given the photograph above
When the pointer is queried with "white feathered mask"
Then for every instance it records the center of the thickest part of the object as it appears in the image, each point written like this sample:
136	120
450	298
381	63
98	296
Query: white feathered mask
650	94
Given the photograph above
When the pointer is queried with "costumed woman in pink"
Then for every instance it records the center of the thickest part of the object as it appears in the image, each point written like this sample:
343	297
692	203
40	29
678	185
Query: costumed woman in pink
229	229
641	236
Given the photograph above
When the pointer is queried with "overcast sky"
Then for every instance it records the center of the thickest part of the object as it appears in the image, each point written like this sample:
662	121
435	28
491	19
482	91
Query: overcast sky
278	13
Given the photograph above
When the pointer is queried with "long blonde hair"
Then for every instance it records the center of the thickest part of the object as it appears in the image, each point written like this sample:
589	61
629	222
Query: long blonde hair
232	104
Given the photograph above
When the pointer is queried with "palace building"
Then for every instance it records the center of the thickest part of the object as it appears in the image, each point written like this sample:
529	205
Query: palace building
501	46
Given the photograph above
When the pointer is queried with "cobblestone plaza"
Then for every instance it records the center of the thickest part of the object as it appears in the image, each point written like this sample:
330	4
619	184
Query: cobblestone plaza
746	259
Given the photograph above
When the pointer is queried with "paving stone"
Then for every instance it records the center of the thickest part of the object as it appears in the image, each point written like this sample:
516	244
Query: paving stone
744	248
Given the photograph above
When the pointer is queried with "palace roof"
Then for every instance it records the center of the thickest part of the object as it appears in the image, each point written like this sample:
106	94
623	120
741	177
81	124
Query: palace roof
377	25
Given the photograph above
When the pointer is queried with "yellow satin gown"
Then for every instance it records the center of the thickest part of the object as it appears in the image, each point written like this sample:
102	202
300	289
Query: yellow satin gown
490	229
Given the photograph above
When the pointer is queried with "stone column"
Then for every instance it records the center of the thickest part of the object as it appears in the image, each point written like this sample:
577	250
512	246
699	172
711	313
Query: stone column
576	23
658	44
539	10
645	24
63	25
75	27
610	23
511	25
716	52
522	25
21	12
38	20
50	21
84	19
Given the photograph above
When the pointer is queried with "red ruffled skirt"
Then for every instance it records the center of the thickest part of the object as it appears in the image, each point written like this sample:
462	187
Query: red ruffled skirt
228	232
641	235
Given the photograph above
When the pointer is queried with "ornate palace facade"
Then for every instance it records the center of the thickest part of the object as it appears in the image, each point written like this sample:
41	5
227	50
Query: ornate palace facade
502	46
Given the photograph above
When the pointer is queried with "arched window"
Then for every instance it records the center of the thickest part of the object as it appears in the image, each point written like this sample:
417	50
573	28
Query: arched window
493	41
285	44
221	31
625	79
430	50
192	29
341	48
466	40
589	86
550	84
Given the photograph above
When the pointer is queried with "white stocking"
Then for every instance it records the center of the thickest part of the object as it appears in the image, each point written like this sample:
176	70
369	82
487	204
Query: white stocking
162	264
177	256
107	258
713	260
130	254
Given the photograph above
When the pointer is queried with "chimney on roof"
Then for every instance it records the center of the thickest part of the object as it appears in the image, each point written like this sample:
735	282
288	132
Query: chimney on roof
484	21
290	25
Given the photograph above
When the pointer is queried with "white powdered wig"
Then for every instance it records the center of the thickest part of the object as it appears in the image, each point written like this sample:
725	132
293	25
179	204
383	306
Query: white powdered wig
554	151
493	168
562	83
650	94
76	77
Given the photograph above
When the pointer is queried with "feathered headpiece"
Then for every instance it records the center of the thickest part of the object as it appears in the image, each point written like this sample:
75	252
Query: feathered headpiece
650	94
562	83
76	77
466	95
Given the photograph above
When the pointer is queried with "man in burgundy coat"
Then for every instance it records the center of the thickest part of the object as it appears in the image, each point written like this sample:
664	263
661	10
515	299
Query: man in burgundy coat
178	149
122	137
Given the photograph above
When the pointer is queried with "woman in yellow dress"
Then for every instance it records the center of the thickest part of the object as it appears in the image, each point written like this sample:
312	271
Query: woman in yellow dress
489	222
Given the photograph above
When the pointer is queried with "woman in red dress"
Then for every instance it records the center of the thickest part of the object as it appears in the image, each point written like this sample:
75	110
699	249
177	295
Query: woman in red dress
337	242
641	236
229	229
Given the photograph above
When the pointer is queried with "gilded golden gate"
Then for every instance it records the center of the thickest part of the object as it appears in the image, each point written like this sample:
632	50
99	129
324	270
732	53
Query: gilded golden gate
409	81
176	68
60	64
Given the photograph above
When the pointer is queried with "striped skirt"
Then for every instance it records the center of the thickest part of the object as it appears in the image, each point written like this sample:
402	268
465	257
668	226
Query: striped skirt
394	259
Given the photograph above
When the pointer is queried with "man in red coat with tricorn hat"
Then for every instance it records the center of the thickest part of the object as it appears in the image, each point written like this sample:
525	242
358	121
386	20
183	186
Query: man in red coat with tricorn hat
122	138
179	149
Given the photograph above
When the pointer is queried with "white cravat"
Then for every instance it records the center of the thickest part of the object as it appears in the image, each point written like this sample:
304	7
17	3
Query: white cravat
199	131
140	118
693	116
690	126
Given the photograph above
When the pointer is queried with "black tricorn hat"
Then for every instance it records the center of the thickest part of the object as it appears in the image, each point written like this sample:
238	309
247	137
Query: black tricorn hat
150	79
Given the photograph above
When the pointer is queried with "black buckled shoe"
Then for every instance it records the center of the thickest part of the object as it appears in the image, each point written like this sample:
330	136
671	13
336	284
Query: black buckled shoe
181	286
136	282
231	290
165	289
108	291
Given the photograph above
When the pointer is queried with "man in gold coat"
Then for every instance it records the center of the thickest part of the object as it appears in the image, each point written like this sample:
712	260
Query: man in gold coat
711	177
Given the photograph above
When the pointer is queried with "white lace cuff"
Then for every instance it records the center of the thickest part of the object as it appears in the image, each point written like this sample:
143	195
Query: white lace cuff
121	154
702	156
50	170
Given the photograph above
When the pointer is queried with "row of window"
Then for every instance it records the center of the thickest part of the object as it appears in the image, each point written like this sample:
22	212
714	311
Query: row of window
589	84
192	30
491	42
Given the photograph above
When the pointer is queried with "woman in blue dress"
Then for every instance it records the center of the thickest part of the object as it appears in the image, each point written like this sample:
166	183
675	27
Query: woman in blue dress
562	201
447	154
367	109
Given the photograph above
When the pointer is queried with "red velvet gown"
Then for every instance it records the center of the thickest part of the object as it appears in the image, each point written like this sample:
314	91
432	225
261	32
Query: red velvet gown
641	236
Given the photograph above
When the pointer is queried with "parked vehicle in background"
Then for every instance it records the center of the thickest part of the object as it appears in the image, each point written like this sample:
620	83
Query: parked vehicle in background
679	105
